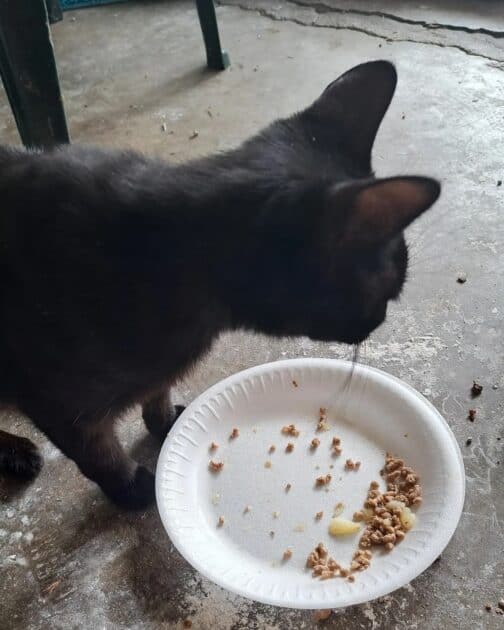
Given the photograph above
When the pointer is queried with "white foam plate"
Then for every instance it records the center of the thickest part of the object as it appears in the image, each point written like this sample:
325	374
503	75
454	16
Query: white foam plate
373	414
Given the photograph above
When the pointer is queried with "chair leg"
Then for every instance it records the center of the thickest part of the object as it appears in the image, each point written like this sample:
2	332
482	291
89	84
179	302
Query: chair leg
29	75
217	59
54	11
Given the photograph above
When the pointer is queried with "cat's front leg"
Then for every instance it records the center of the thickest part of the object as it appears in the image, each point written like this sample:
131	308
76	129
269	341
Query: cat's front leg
94	447
159	414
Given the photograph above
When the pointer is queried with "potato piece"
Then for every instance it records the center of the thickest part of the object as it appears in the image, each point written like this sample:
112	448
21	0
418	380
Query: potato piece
343	527
407	518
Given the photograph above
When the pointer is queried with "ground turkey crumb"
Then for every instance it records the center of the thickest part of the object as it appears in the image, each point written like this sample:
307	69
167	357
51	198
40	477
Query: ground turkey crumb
234	434
314	443
215	466
290	429
323	480
287	554
213	446
289	448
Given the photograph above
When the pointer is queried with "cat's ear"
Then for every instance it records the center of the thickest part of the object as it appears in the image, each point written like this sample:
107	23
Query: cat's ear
354	105
375	211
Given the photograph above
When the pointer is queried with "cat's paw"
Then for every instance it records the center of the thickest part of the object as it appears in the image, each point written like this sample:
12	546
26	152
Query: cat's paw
159	425
20	458
136	494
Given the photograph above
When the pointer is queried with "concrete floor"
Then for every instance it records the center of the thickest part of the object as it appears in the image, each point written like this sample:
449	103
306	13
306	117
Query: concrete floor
68	558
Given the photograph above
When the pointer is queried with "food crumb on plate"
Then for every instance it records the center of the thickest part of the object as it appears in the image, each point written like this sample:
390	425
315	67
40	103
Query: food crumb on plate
476	389
213	446
288	487
322	424
187	623
267	464
319	515
272	449
314	443
295	383
323	480
234	433
276	514
289	448
247	509
287	554
220	521
215	466
290	429
351	465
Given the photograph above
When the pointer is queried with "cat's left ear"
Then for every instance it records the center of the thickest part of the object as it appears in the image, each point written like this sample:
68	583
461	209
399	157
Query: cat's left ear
370	213
354	106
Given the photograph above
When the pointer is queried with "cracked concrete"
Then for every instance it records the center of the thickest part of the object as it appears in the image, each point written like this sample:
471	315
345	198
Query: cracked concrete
68	559
383	24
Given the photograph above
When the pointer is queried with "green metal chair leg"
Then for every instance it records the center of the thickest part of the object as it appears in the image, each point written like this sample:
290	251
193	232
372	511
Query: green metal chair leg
29	75
217	59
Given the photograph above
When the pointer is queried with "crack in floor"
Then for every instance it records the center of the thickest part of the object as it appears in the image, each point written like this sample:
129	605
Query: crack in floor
496	63
320	7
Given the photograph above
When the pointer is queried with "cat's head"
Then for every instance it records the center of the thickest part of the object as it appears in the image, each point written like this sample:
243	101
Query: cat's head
328	248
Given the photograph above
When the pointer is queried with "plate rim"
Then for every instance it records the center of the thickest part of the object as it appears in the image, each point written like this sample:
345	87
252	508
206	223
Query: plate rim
429	559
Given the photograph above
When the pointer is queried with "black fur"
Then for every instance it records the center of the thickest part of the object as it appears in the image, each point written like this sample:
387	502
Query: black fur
117	271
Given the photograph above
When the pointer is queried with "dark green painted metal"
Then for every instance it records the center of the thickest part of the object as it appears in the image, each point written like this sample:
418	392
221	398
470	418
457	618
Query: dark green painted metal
29	75
217	59
54	11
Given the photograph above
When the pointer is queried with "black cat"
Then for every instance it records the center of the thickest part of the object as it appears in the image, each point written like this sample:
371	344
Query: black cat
117	271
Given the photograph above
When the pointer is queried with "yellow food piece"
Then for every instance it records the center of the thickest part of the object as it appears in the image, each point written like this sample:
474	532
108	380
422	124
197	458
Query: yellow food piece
407	518
343	527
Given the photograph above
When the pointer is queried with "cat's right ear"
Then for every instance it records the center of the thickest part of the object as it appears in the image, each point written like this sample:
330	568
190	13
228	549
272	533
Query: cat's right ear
369	213
353	106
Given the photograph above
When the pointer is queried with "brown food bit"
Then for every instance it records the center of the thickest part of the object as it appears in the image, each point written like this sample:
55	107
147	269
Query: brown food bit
350	464
267	464
234	434
322	615
290	429
351	578
488	607
295	383
344	573
314	443
476	389
468	441
288	487
220	522
215	466
319	515
322	421
289	448
272	449
336	446
213	446
287	554
187	623
323	480
471	415
272	534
